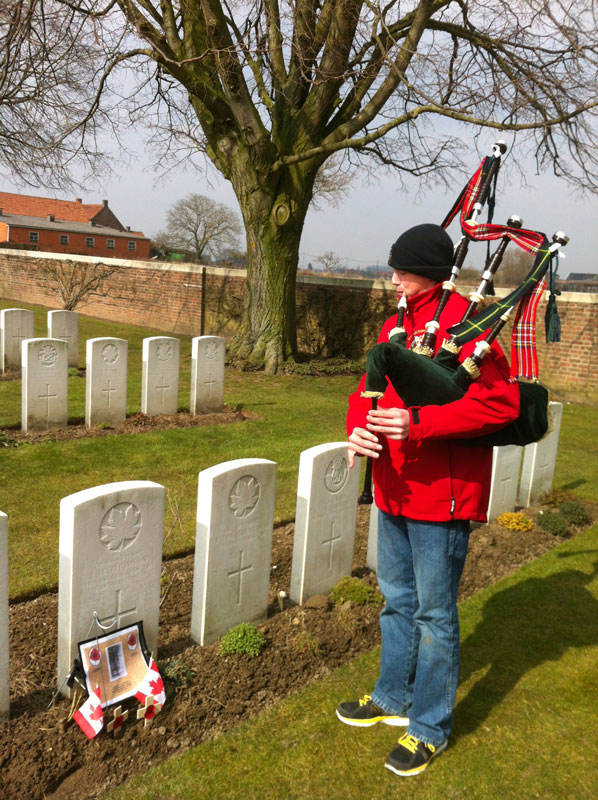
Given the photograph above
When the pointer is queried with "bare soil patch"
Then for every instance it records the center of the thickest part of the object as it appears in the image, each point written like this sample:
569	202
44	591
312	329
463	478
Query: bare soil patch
134	423
44	755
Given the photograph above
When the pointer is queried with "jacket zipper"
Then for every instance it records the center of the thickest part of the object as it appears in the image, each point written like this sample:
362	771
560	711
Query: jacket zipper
450	466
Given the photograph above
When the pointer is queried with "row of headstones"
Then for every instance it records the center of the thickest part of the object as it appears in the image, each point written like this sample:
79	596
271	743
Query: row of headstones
16	325
111	550
44	371
111	544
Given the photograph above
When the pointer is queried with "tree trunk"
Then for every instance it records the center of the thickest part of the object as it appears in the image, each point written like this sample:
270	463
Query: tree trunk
273	223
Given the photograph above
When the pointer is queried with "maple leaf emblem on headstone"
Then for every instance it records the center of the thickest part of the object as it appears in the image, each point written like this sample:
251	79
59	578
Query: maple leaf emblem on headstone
244	496
120	526
95	713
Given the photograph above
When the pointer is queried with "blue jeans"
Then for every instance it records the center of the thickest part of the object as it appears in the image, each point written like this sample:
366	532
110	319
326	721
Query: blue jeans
419	568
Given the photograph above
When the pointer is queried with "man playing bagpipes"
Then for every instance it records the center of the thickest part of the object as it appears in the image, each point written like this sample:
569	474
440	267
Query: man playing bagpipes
428	486
432	460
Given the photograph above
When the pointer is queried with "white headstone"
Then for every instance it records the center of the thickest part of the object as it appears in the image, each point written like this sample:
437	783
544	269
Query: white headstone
327	493
207	373
506	464
44	388
233	546
4	674
110	563
371	559
65	325
16	325
539	459
106	381
160	375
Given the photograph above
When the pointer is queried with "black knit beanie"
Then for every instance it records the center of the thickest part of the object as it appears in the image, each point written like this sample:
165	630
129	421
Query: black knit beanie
424	250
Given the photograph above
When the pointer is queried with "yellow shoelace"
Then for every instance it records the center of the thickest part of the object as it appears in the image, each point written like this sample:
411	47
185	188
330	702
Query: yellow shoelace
365	699
410	743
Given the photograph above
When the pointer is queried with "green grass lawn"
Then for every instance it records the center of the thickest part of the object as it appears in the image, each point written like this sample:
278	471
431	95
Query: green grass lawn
525	721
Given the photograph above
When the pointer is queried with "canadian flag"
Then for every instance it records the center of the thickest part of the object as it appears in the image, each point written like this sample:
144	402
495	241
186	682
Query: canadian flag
90	717
152	684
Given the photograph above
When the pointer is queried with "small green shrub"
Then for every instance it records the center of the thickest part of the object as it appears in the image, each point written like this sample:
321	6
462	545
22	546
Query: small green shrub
515	521
328	366
553	522
555	497
177	675
306	642
357	591
243	638
575	512
73	372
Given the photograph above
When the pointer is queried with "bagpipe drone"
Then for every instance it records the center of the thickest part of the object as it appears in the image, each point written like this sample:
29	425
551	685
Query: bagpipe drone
420	377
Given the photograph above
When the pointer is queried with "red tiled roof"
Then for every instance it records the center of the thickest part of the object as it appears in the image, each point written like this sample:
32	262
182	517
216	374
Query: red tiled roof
31	206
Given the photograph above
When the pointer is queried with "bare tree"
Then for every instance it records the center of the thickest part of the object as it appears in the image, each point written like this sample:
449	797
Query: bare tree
47	76
516	264
268	90
329	260
75	282
200	226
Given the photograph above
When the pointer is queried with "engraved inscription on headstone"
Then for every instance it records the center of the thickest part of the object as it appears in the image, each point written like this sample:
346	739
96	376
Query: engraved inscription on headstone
237	575
118	618
324	521
244	496
106	381
16	325
539	460
207	374
120	526
110	353
235	512
372	551
44	384
160	375
4	671
336	474
506	463
110	562
64	325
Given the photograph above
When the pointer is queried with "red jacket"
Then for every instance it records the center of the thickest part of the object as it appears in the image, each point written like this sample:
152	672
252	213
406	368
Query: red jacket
431	475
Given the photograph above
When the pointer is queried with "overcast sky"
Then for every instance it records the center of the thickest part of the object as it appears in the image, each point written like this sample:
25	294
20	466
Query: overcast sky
361	230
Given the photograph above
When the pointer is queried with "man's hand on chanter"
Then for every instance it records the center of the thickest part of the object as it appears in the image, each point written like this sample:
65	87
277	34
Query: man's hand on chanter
390	422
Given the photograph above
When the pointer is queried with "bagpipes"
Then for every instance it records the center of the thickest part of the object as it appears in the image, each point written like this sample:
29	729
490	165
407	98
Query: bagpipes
421	377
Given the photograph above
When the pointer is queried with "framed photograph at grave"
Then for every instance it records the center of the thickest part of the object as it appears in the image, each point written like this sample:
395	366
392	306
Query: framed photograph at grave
117	662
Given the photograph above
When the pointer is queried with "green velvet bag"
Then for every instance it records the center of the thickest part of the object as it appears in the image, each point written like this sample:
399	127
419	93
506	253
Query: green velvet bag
422	381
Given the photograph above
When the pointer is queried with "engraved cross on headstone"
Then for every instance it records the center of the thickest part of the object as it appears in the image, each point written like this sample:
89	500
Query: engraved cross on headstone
47	396
163	388
108	391
210	382
64	336
330	541
20	336
505	482
119	613
238	573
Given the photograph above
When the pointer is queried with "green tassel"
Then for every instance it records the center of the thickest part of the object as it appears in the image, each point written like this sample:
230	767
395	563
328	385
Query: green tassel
552	321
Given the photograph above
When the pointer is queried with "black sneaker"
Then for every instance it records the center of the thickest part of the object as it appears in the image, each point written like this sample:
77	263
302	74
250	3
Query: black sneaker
412	756
363	713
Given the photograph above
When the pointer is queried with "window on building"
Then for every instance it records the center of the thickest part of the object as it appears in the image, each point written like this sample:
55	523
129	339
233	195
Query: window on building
33	236
132	245
64	238
110	244
89	241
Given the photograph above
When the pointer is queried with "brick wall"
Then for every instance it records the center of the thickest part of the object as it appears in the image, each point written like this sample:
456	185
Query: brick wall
336	316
